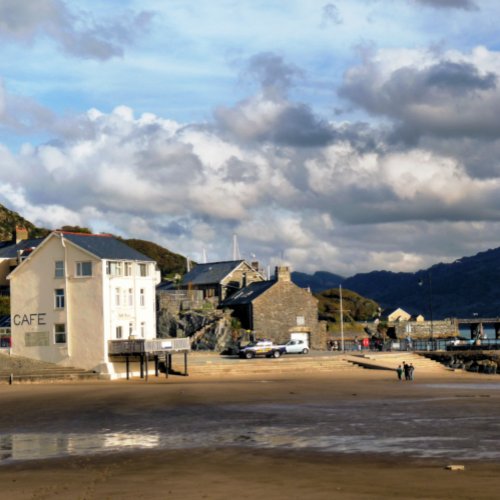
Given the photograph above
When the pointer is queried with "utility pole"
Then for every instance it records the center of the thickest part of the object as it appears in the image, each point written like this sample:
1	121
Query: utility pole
341	321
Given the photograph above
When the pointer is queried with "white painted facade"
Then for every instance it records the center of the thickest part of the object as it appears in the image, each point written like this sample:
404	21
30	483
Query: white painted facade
67	302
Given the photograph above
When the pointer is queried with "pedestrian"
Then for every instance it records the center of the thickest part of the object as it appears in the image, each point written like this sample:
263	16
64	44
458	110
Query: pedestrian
406	369
411	369
399	371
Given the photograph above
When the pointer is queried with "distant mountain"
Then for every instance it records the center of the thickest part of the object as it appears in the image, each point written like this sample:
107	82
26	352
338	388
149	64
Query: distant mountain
317	282
460	289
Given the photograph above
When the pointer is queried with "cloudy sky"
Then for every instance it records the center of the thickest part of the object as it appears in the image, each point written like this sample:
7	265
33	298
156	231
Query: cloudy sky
345	136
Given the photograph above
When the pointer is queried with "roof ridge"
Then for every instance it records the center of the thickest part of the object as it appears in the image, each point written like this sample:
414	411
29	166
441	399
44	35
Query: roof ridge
100	235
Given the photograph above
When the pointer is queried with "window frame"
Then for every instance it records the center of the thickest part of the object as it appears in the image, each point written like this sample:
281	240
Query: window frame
59	272
79	268
59	333
59	298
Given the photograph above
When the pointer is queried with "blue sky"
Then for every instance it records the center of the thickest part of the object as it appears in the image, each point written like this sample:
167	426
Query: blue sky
344	136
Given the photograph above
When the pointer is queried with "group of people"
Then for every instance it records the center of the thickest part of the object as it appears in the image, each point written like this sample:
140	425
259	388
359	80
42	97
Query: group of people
406	370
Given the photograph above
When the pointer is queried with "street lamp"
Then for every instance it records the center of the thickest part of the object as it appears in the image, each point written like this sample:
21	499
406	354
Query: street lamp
421	283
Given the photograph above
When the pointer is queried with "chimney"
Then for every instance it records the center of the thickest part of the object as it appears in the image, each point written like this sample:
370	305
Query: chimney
255	265
283	273
21	234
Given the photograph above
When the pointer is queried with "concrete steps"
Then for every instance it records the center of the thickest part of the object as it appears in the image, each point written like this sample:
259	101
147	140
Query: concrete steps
284	364
390	361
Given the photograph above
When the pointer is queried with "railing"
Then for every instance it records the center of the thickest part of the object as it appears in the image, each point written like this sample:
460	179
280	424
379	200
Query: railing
141	346
425	345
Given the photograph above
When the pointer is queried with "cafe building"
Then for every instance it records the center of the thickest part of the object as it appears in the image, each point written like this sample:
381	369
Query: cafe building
76	292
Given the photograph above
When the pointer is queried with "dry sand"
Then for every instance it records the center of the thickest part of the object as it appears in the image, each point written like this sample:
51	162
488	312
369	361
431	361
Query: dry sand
222	472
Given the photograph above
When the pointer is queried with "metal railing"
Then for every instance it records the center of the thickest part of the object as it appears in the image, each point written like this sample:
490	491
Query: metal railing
425	345
141	346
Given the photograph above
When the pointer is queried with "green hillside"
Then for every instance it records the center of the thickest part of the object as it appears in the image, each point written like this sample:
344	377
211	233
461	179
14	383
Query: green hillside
9	220
169	263
354	306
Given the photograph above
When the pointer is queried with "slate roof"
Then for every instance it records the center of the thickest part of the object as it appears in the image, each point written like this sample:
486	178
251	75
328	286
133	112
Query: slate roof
5	321
248	294
208	274
9	249
106	246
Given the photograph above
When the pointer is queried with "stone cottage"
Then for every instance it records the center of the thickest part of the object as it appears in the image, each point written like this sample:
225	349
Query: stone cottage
278	310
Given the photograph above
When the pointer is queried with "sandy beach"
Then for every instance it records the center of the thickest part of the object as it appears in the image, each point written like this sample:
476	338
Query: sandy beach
213	438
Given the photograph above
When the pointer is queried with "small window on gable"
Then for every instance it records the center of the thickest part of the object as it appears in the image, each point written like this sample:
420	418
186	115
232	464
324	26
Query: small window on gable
84	269
59	269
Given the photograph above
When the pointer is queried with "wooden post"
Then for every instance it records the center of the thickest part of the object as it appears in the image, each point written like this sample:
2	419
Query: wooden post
142	364
156	365
185	363
167	367
146	367
127	362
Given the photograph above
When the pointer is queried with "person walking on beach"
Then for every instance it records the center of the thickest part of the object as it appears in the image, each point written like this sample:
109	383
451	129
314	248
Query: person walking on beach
411	369
399	371
406	369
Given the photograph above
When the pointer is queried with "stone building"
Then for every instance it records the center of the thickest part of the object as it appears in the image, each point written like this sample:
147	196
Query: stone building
278	310
219	280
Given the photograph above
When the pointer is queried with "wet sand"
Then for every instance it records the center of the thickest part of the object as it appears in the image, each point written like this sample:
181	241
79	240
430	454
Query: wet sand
219	471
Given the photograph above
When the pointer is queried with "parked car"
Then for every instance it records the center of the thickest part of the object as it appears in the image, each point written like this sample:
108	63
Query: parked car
296	347
261	348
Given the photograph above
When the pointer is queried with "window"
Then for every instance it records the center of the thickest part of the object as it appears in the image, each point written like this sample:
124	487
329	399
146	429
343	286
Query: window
114	268
59	269
128	268
130	297
143	269
119	332
301	321
59	298
143	329
117	296
131	329
142	297
84	268
60	333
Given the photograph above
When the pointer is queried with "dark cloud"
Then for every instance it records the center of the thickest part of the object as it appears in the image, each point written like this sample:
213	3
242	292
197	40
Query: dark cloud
274	75
76	33
450	4
446	98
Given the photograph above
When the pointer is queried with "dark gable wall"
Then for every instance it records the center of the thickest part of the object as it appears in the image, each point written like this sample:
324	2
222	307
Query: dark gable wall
275	314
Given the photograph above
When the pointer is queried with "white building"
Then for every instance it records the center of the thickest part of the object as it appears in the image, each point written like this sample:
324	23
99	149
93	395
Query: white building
74	293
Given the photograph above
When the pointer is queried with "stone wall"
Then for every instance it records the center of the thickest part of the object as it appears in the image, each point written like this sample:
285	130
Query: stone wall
422	329
279	311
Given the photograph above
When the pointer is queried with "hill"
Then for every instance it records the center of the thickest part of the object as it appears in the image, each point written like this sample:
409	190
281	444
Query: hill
169	263
9	220
354	306
468	286
319	281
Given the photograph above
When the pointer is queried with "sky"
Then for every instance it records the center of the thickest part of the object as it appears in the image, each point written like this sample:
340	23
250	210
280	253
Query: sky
345	136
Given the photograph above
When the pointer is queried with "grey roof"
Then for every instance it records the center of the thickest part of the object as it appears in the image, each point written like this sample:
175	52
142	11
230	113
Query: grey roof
5	321
208	274
9	249
248	294
105	246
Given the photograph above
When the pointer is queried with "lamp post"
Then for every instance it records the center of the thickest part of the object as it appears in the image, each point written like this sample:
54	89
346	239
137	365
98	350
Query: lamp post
421	283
